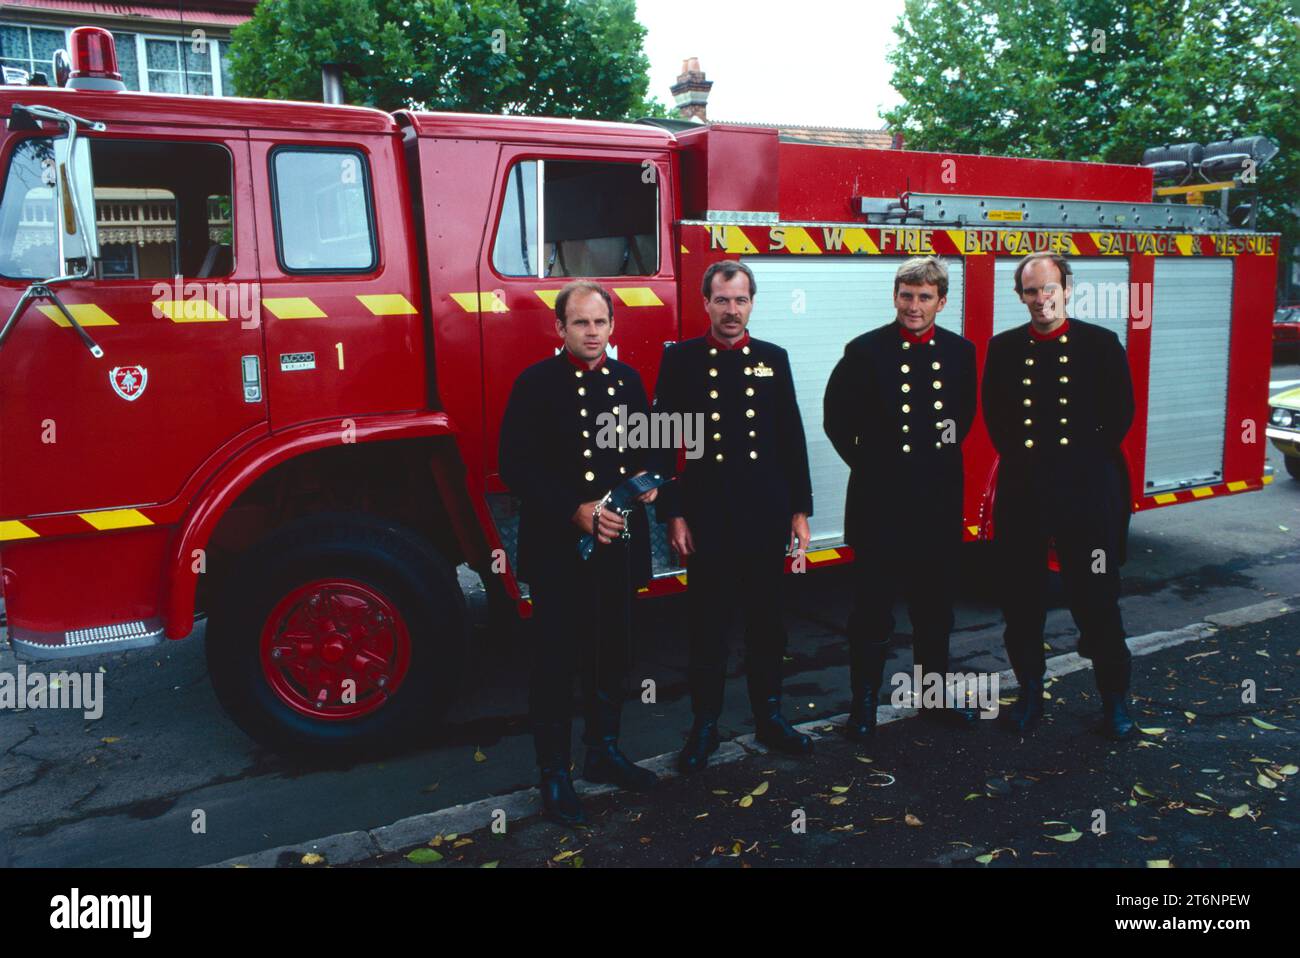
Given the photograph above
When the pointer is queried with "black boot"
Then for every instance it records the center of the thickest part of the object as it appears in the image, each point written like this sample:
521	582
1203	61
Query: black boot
605	763
1116	723
770	726
701	742
559	801
1027	712
866	668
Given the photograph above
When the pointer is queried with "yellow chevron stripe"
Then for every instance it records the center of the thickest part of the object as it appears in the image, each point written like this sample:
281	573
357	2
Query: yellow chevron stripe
487	302
116	519
1266	480
798	241
858	240
87	314
188	311
973	530
681	578
958	238
1237	486
637	296
821	555
1074	247
1165	498
734	240
1202	492
387	304
685	250
1184	243
547	296
12	529
293	307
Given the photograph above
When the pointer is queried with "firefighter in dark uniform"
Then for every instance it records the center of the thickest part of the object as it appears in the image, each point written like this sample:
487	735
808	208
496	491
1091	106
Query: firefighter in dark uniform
1058	400
737	508
897	407
560	453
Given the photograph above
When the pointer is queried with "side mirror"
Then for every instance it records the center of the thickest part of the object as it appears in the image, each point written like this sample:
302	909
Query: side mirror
75	198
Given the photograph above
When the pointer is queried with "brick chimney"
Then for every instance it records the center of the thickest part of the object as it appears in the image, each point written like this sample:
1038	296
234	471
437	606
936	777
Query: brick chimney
691	91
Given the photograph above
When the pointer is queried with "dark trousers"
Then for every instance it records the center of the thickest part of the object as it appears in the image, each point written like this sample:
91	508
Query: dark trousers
922	568
719	582
582	621
1089	559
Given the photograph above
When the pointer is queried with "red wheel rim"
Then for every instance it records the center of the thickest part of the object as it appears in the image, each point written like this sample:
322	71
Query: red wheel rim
327	633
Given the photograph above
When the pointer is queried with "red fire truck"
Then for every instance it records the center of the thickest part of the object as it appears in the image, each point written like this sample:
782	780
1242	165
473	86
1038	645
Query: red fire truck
255	354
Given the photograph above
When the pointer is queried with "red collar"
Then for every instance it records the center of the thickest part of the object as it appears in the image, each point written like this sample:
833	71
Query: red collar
719	344
912	337
582	363
1042	337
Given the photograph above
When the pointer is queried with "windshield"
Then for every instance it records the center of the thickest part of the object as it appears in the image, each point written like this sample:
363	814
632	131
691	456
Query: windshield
28	244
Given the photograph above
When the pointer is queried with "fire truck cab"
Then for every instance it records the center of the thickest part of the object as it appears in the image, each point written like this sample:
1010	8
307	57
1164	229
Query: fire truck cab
255	354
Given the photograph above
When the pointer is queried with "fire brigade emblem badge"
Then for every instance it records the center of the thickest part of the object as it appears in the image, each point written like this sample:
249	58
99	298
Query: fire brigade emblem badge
764	370
129	381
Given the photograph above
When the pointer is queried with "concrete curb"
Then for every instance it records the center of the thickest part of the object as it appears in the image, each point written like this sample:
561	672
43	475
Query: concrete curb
349	847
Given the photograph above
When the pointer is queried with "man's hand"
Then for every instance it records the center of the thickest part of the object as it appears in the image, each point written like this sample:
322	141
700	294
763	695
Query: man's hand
647	497
800	534
611	523
679	537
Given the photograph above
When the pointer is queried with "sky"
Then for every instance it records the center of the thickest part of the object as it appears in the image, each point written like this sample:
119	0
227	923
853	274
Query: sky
808	62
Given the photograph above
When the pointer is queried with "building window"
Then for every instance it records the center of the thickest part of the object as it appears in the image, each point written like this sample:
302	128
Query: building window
128	60
30	48
175	67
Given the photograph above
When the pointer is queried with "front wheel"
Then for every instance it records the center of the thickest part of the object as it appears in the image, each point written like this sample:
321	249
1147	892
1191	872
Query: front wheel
339	635
1293	466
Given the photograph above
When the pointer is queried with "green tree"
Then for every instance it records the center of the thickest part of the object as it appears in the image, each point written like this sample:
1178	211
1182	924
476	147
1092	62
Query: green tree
574	58
1101	80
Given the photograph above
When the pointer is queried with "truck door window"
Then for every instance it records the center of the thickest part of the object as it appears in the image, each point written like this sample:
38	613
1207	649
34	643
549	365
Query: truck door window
161	209
324	216
598	219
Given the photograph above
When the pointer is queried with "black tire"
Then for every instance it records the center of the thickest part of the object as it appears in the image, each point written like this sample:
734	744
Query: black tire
1293	466
402	568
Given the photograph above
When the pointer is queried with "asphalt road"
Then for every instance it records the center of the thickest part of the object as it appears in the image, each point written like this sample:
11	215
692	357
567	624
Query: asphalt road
125	789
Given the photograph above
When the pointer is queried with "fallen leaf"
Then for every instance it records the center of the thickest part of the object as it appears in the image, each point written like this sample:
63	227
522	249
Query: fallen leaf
913	820
1072	835
1206	797
839	789
971	795
1159	863
564	855
491	864
1288	769
1266	726
1199	811
1152	731
423	856
1241	811
984	859
109	740
311	858
479	756
746	801
1265	781
1142	791
760	789
838	800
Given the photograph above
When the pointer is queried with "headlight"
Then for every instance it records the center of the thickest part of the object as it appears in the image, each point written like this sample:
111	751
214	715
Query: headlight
1283	417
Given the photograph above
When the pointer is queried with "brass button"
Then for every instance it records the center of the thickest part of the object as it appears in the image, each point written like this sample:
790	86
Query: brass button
753	454
622	470
717	436
938	404
1027	382
713	372
713	351
906	408
931	342
906	427
582	390
1029	361
1065	379
752	434
938	425
604	370
713	394
906	448
906	388
1029	444
1029	422
1064	441
1064	339
1063	359
717	416
585	434
749	390
610	390
586	454
745	350
591	477
718	457
934	366
1029	402
904	368
1064	401
906	344
937	385
582	412
578	373
749	414
938	445
1064	421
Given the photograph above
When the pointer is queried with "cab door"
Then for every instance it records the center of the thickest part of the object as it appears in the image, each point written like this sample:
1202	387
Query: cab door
172	304
560	215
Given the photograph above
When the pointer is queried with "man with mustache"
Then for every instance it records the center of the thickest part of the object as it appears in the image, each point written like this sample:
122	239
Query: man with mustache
897	407
551	460
1058	401
737	509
